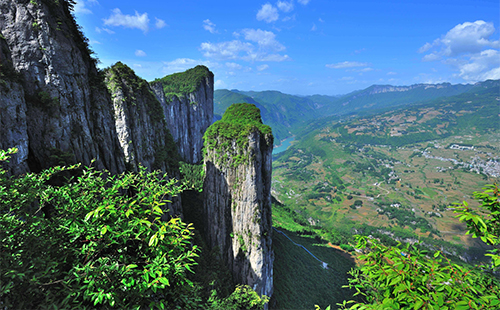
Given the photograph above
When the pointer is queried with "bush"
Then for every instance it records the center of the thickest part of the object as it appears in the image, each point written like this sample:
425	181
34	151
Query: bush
347	247
95	241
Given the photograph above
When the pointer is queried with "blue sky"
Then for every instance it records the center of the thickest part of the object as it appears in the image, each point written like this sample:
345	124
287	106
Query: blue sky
300	47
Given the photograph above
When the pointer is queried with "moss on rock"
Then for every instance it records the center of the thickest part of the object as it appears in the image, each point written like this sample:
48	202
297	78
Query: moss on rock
230	135
183	83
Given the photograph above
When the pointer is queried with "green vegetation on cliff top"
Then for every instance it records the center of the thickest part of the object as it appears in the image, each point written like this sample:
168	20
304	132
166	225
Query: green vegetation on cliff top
182	83
237	123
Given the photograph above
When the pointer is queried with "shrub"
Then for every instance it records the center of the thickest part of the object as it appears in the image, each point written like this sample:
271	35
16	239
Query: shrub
95	241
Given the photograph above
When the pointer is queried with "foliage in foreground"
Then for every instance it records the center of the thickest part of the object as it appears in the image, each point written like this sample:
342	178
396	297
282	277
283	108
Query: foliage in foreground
98	241
405	277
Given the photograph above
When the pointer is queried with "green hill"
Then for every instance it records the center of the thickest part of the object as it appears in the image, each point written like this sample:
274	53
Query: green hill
288	114
394	173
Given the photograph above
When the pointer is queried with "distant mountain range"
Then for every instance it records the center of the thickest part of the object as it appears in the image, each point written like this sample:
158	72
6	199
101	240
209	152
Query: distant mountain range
286	114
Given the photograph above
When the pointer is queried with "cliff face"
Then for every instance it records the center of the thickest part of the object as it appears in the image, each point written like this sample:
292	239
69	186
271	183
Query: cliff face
67	110
139	121
141	126
13	128
187	102
237	195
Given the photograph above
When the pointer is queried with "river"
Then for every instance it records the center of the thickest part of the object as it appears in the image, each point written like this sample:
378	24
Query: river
284	145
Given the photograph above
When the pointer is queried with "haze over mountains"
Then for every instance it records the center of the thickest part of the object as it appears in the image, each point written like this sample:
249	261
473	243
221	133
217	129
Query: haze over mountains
287	113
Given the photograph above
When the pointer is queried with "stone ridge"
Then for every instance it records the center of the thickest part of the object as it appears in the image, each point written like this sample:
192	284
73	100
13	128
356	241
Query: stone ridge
141	127
237	199
139	121
67	109
189	112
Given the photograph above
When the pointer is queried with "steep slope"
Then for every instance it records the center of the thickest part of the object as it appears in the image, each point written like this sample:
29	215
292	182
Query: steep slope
140	123
13	127
187	102
237	195
69	114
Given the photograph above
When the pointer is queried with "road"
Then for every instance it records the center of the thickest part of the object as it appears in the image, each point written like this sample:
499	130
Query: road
325	265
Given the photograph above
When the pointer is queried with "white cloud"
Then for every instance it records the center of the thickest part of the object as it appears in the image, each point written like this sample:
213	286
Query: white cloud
346	78
365	70
272	57
391	73
304	2
463	38
233	65
99	30
219	84
427	46
262	67
209	26
347	64
117	18
265	39
160	23
285	6
480	67
140	53
268	13
321	20
182	64
81	8
265	49
468	49
226	50
313	28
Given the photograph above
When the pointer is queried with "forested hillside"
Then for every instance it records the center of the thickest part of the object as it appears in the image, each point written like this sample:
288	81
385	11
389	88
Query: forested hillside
288	114
395	174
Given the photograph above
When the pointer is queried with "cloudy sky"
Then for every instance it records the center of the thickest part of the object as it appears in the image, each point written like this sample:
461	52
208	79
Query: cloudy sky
300	46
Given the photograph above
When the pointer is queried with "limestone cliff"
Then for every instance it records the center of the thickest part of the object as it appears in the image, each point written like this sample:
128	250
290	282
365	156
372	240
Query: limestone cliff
187	101
237	195
65	106
139	120
13	128
141	127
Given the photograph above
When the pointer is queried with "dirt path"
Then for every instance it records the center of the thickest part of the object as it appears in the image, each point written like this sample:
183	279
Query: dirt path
342	252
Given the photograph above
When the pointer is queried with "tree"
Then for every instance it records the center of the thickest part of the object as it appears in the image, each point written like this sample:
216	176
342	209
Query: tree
95	241
406	277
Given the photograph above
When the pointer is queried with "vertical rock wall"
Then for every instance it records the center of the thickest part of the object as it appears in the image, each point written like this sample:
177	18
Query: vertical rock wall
188	113
13	127
141	127
237	195
68	110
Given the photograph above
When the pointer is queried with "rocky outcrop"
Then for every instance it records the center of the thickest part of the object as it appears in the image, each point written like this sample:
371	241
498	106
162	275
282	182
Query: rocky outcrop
141	127
13	128
237	195
187	101
140	124
68	112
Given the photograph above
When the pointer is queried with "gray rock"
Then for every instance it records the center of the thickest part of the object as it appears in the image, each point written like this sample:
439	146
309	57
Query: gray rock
140	124
68	110
188	116
237	208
